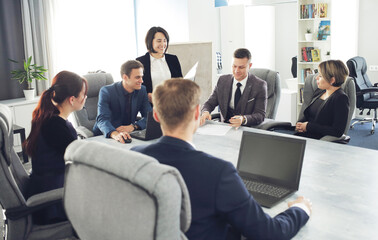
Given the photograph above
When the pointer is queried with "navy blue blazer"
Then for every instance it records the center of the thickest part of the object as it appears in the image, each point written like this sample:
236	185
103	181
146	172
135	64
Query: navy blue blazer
218	196
111	108
173	65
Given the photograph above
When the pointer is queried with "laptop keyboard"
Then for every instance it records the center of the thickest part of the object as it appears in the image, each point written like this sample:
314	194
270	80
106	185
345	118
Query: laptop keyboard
270	190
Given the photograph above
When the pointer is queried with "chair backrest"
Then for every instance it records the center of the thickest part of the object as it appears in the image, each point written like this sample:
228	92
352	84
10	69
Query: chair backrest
357	70
273	81
348	86
13	177
87	116
113	193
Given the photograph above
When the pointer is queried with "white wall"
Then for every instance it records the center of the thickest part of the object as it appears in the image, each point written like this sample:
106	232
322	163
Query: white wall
368	35
286	38
204	26
232	22
260	35
172	15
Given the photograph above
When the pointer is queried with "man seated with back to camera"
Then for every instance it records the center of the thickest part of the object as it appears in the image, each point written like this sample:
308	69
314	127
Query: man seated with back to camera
219	200
241	96
120	102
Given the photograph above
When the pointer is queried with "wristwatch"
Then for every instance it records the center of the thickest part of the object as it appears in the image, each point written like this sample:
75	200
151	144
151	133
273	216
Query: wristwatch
136	127
244	120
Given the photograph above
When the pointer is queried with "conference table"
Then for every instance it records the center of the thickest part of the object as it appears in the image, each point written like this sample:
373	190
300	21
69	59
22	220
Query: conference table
340	180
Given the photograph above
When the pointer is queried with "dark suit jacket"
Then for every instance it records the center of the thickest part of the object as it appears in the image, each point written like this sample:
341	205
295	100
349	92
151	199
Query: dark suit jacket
218	196
331	118
173	64
252	103
111	108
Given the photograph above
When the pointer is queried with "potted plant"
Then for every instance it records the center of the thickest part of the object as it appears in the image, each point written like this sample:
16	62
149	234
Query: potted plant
308	35
29	73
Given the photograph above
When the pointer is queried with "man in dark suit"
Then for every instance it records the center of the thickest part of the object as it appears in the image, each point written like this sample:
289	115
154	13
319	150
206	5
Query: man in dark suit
222	208
241	96
120	102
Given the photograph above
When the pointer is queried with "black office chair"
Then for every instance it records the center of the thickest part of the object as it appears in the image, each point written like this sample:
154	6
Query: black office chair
365	90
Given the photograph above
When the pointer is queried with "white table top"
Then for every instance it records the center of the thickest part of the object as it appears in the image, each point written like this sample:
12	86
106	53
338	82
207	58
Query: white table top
340	180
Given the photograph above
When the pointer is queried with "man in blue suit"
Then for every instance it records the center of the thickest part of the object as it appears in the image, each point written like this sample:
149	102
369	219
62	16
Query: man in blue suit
222	208
120	102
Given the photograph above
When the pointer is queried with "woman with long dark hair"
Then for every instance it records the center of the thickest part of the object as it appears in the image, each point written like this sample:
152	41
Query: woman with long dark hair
50	135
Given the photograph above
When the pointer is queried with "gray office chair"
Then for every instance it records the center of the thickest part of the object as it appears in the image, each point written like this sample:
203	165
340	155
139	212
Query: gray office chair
273	81
113	193
309	88
86	117
13	185
366	91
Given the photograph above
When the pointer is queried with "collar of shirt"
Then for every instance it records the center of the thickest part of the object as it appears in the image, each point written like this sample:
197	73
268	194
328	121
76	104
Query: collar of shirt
243	82
123	90
234	86
152	59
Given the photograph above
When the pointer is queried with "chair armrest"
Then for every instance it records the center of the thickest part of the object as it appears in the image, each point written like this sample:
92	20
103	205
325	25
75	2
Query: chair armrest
215	116
270	124
84	132
343	139
368	90
35	203
45	197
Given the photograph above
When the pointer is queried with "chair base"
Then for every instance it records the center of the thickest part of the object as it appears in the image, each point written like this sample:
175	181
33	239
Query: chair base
366	120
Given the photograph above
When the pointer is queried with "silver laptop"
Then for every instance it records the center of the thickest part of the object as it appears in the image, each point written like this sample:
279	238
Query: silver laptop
270	166
191	75
152	130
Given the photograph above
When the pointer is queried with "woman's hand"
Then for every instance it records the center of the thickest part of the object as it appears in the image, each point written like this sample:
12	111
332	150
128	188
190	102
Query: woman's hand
301	127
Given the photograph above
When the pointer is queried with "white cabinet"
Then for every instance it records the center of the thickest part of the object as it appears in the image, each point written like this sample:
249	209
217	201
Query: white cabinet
22	111
341	17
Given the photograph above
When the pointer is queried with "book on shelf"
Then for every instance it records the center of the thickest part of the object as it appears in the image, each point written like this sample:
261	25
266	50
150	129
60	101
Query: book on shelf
304	54
324	29
309	56
315	53
322	8
315	10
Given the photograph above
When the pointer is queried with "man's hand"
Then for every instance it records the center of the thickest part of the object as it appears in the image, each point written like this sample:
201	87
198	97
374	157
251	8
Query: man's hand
236	121
301	127
149	97
205	116
126	129
302	200
120	136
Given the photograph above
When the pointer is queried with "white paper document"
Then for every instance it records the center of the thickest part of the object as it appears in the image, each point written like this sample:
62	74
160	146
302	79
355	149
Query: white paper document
213	129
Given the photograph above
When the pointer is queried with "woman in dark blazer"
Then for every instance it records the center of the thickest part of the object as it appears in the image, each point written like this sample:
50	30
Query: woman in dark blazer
50	135
327	114
158	65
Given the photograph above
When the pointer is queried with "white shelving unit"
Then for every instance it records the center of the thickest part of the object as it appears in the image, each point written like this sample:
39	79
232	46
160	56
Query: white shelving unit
342	42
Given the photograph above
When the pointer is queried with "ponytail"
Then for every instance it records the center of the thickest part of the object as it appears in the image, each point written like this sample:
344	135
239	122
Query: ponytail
44	110
65	84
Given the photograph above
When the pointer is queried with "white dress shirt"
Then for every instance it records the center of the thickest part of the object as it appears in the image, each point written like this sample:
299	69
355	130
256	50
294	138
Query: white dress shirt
234	86
159	70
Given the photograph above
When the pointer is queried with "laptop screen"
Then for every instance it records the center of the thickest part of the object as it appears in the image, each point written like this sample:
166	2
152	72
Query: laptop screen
271	158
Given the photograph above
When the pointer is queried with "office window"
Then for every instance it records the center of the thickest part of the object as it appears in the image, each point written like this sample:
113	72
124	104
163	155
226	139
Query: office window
90	35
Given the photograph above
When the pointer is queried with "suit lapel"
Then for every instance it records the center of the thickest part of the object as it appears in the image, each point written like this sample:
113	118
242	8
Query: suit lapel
121	100
226	92
133	104
244	97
